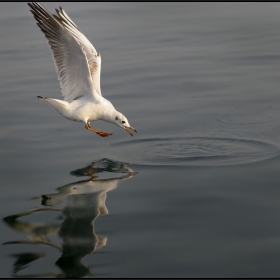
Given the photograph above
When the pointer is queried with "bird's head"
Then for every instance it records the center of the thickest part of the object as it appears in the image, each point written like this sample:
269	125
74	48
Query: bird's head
121	121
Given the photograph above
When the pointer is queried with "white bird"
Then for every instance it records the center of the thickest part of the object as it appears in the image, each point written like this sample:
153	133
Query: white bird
78	65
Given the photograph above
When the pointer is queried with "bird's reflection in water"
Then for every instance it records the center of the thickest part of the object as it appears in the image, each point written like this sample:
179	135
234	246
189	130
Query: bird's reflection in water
85	201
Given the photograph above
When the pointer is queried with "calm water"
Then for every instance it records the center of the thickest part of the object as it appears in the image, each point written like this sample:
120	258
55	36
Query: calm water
195	193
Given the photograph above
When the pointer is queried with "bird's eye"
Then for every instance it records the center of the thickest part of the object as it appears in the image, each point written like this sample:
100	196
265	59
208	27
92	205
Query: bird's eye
116	118
123	121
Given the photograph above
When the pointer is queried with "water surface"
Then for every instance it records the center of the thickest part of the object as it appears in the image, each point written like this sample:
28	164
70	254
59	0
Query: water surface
195	193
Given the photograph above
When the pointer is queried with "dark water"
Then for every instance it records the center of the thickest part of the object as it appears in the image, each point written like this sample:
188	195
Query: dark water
195	193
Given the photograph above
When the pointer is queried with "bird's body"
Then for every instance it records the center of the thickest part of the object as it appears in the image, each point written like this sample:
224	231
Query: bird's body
79	67
82	109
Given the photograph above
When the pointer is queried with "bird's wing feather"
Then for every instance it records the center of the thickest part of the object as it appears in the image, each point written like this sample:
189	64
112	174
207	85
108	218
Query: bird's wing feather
69	55
94	58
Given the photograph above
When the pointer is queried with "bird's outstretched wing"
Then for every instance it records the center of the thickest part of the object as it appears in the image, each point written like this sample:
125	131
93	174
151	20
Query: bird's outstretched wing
77	62
94	58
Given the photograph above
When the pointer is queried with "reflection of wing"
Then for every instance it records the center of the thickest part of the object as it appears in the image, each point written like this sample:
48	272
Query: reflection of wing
37	231
86	201
23	259
76	60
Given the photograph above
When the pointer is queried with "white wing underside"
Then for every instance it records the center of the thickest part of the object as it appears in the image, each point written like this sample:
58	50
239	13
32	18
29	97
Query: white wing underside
76	60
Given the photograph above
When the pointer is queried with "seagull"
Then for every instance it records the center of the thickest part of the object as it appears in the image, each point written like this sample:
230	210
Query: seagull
78	65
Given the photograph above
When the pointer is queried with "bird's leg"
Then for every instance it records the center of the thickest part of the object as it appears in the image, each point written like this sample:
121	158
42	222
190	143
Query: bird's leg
99	132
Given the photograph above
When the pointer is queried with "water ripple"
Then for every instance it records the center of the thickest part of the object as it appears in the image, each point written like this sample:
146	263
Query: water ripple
195	150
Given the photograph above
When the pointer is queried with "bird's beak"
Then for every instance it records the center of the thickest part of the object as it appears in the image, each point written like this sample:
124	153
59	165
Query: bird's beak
130	127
